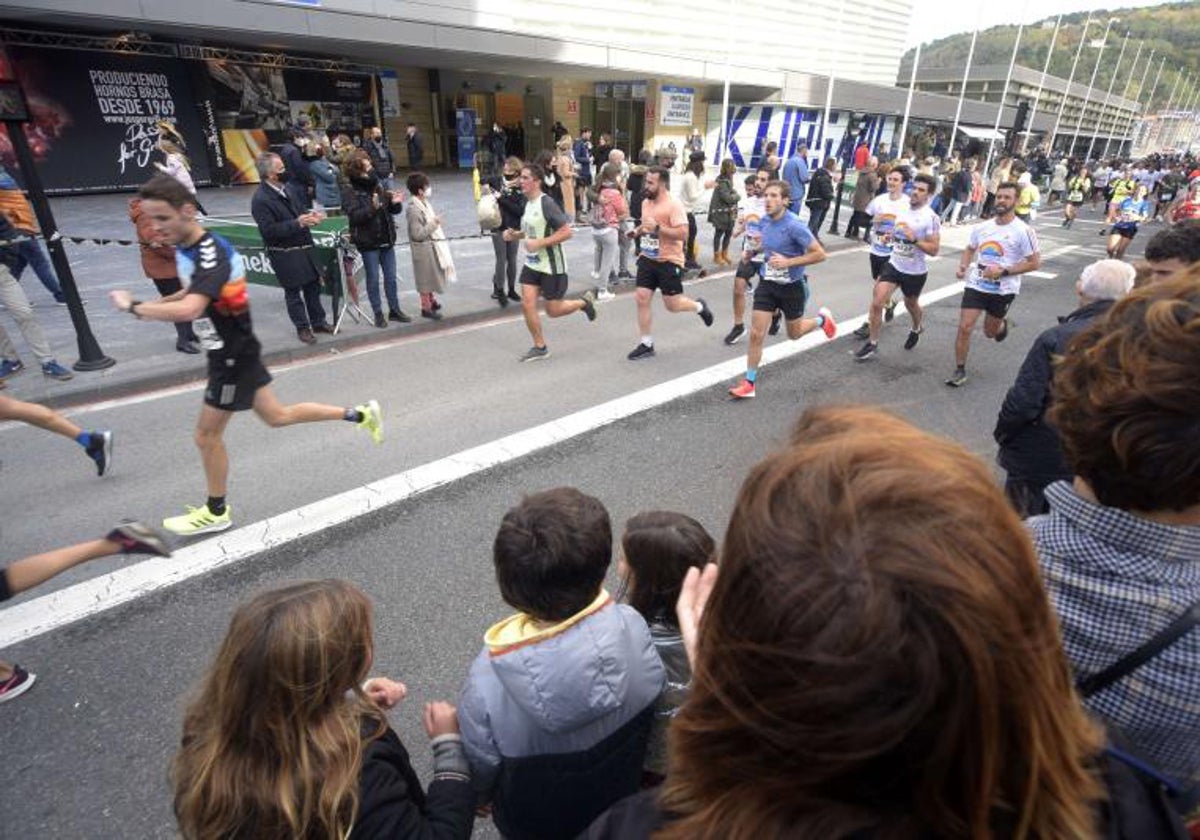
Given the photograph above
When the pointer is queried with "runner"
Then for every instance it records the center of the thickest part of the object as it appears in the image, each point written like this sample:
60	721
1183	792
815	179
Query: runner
1100	181
1078	189
883	211
215	299
545	226
1006	248
787	247
663	230
96	444
1119	189
1187	205
915	233
1170	183
1133	209
751	211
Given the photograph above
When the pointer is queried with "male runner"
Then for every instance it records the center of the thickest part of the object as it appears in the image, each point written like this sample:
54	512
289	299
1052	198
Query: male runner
751	211
215	299
544	227
787	247
1006	248
916	232
883	211
1078	188
664	229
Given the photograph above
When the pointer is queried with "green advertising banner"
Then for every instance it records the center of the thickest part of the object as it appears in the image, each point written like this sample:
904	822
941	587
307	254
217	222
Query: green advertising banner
246	239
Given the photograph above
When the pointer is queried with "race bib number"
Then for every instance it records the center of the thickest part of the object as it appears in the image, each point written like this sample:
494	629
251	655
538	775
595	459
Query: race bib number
207	334
650	246
902	247
984	282
531	259
776	275
1075	195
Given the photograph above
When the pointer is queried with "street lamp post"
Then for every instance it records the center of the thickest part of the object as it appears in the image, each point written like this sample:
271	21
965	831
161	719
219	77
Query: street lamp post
1140	113
1107	95
1124	95
987	166
1149	99
1070	80
962	91
912	83
1087	96
1041	84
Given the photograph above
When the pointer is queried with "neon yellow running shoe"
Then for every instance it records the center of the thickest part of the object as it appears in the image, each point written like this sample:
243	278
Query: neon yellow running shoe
198	520
372	419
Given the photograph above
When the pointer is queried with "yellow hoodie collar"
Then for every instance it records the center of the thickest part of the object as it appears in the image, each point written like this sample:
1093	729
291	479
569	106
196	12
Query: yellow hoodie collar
520	630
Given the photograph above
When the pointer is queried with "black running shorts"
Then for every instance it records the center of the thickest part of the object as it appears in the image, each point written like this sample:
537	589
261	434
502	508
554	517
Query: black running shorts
910	284
666	277
789	298
878	261
994	305
233	382
553	286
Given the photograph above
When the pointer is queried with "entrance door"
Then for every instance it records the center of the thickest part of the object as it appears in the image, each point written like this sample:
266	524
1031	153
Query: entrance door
537	134
630	126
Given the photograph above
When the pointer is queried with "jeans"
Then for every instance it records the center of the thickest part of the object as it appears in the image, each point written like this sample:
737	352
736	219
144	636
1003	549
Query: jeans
506	262
689	255
306	313
625	244
606	244
33	253
816	217
374	260
721	237
12	298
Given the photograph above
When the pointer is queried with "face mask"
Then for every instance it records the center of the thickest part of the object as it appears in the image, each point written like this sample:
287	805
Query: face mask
284	176
428	192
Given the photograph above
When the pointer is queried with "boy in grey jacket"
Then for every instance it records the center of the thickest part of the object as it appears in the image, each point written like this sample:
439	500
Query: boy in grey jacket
556	708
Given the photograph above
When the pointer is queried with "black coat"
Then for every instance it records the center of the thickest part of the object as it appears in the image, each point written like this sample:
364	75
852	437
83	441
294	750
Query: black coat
1029	447
820	187
511	201
284	238
301	185
416	150
381	157
371	226
393	805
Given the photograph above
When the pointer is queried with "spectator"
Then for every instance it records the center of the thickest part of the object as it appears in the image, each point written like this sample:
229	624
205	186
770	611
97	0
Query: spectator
722	211
1120	548
560	130
176	164
617	158
796	175
846	681
299	182
284	739
13	299
158	263
1029	449
637	180
865	189
497	145
432	265
383	162
371	210
1173	249
326	179
657	549
551	183
884	153
416	147
691	193
30	251
582	152
820	195
556	708
600	150
961	185
28	572
511	201
289	243
609	213
564	167
862	155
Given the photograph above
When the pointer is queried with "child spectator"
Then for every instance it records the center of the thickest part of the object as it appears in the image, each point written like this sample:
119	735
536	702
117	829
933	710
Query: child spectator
285	740
657	550
28	572
557	707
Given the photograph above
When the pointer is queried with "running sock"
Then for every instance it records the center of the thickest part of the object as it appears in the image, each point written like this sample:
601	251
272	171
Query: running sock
751	375
216	505
84	439
700	306
820	321
648	340
353	415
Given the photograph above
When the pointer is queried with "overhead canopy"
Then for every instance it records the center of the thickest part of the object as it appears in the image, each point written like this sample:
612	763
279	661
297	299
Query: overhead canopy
981	133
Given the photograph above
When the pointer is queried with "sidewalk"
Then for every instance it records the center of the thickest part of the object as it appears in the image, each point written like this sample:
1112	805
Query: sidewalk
145	351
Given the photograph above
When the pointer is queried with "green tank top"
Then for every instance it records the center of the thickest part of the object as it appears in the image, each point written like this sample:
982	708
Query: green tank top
535	224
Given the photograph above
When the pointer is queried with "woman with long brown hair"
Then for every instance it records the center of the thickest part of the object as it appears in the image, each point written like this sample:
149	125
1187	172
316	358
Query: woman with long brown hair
285	740
877	659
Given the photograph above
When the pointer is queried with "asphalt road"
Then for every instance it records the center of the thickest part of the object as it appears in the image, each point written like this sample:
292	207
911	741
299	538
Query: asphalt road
87	748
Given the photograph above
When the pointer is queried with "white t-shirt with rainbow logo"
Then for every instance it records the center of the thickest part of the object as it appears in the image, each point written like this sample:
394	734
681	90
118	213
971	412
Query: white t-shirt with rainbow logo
1002	245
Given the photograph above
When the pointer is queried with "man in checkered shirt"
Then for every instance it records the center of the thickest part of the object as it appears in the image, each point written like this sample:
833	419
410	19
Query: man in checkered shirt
1120	547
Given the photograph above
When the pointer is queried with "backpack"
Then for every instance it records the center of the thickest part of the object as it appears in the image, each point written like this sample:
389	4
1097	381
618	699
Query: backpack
488	211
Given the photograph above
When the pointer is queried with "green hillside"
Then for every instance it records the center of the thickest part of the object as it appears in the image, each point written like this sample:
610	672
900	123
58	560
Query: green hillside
1171	30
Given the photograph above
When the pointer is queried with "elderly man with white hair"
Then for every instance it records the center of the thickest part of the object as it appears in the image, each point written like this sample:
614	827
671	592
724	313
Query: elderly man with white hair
1030	451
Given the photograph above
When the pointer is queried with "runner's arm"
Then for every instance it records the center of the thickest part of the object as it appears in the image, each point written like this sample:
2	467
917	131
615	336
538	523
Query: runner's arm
190	307
811	256
930	244
964	263
559	236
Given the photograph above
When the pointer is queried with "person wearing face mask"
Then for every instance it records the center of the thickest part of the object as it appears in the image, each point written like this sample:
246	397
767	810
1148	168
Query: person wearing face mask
371	207
511	201
382	161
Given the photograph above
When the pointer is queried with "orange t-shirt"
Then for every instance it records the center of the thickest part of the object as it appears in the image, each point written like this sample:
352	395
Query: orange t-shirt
665	212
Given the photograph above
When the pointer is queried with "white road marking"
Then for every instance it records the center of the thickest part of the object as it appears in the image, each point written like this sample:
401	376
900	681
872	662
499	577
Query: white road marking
1041	275
1058	252
74	603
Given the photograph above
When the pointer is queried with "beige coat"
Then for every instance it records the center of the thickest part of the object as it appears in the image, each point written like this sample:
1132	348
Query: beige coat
428	276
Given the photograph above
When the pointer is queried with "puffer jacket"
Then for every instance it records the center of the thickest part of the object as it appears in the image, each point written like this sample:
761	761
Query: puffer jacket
371	227
555	721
